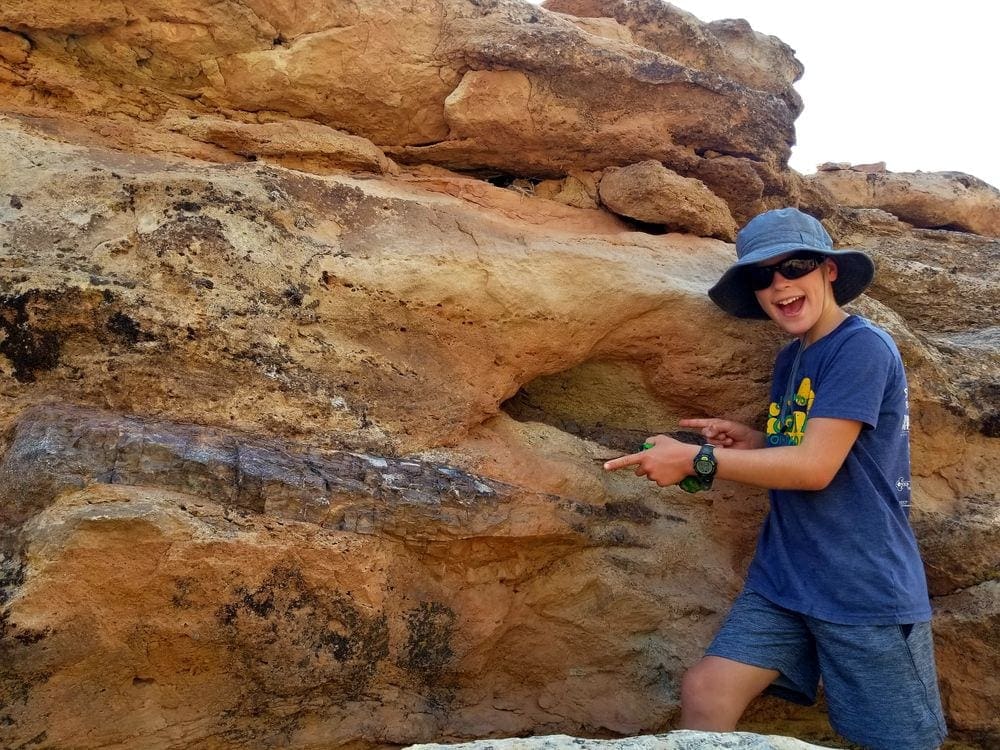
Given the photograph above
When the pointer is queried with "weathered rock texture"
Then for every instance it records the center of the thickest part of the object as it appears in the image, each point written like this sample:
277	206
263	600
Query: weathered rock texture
291	144
933	200
498	85
301	431
650	192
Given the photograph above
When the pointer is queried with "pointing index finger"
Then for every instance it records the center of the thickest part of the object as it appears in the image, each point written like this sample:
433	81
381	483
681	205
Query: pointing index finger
620	463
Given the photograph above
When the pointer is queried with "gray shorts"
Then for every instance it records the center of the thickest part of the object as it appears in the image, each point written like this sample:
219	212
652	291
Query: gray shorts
879	680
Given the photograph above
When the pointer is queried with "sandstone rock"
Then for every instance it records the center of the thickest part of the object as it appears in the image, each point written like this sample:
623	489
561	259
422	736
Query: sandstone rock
213	238
411	79
737	182
569	121
13	47
959	545
729	47
321	61
556	211
86	16
920	274
323	597
946	200
965	631
873	168
650	192
233	333
77	323
608	28
579	190
314	460
679	740
294	144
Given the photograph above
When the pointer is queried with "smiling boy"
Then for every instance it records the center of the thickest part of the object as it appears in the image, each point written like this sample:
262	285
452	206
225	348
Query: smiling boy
836	588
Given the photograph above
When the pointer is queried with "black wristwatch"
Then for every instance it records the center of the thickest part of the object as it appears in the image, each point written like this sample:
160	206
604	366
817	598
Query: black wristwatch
705	465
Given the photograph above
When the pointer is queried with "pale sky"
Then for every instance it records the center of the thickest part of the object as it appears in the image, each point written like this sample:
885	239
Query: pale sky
912	84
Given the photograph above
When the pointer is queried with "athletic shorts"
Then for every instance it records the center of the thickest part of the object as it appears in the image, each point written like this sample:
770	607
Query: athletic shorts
879	680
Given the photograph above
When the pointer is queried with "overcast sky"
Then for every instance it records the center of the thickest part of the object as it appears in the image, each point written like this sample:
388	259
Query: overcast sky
912	84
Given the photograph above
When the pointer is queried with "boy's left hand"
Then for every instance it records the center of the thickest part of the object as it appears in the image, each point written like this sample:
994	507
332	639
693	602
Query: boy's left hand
666	463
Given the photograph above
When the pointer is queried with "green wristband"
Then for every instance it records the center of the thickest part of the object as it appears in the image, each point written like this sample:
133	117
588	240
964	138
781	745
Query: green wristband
691	484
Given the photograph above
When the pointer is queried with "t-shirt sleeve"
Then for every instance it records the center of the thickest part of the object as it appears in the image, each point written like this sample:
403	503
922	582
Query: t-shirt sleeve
853	382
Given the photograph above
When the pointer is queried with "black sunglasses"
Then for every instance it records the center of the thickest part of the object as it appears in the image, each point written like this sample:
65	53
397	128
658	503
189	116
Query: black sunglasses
760	277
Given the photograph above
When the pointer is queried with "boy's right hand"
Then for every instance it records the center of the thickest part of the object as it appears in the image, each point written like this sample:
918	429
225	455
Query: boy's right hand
726	433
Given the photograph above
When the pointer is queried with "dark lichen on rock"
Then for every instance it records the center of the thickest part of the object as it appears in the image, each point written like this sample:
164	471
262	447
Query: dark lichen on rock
29	348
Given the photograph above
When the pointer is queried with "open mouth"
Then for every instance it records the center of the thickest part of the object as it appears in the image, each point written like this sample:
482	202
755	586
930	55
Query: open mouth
791	306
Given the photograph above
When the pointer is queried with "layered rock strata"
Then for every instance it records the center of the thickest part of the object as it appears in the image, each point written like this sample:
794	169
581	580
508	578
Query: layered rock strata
302	429
932	200
489	86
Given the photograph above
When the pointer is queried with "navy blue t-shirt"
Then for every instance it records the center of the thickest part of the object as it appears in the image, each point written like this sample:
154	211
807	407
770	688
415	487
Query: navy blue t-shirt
846	553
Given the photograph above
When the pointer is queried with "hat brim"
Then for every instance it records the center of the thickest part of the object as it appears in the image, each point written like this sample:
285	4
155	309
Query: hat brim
855	271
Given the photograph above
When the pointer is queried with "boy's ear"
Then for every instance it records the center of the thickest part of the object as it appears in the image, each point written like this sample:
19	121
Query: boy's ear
831	269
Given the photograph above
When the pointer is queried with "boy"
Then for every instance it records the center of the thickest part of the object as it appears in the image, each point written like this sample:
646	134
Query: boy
836	588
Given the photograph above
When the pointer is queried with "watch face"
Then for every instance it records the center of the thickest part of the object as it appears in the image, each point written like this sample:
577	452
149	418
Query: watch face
703	465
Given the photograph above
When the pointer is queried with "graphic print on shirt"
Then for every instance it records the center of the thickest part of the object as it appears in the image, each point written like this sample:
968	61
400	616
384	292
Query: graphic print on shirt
786	426
903	483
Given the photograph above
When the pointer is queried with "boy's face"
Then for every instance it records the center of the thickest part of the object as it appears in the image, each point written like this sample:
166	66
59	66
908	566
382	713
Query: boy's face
800	305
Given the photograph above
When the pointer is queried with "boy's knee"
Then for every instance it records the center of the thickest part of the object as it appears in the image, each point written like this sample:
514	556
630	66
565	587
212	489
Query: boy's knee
716	691
703	705
700	688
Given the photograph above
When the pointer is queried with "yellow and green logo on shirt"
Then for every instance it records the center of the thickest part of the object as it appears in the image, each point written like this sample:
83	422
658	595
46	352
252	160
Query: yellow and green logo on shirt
788	428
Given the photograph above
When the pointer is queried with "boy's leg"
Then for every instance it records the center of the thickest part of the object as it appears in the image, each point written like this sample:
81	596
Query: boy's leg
881	685
759	647
716	691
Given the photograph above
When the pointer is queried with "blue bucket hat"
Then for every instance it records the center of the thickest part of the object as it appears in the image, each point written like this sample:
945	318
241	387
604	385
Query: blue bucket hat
775	233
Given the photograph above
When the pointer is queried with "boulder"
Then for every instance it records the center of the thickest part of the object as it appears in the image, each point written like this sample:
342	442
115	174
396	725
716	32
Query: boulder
931	200
651	193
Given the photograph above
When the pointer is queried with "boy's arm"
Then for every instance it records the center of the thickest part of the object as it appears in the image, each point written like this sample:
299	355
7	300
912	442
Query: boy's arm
810	465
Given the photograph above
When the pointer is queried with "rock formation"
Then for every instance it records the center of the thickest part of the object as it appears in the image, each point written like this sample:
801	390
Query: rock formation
318	319
650	192
935	200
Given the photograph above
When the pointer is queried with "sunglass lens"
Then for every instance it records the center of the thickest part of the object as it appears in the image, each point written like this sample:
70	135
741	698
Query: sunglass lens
759	277
796	268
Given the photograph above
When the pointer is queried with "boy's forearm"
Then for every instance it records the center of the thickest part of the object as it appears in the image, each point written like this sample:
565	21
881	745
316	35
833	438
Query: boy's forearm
782	468
810	465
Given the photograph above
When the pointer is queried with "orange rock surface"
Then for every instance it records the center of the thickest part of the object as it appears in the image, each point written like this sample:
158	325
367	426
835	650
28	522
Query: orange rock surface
318	320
